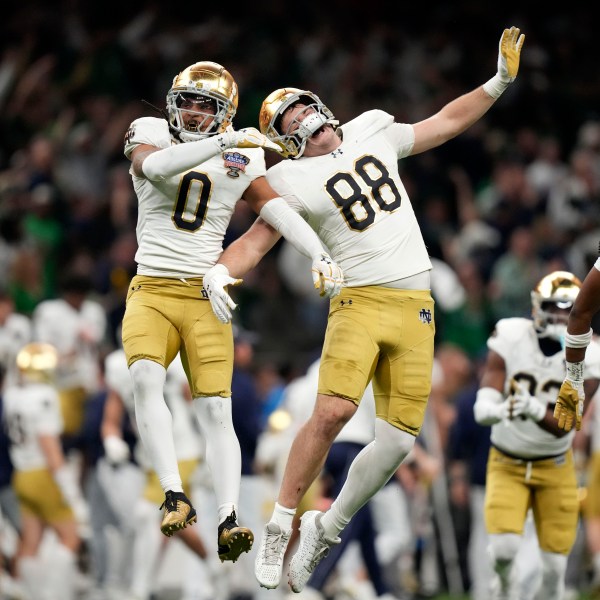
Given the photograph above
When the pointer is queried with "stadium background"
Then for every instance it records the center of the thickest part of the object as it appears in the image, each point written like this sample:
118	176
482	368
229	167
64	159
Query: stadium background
72	76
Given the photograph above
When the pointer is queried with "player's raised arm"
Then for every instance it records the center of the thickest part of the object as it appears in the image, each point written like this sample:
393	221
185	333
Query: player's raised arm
458	115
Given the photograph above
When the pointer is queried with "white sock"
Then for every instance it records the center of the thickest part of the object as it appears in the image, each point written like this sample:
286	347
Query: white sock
283	516
223	455
369	472
225	510
60	582
154	421
32	575
146	548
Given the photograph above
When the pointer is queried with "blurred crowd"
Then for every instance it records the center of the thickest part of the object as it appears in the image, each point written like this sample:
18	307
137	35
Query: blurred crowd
511	200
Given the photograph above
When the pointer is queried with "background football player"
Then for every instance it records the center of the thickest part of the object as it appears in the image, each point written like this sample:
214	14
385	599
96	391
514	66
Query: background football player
189	170
530	464
47	489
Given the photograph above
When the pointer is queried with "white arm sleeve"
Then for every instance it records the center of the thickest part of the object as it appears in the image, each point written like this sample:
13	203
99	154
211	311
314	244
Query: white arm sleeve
169	162
292	227
489	407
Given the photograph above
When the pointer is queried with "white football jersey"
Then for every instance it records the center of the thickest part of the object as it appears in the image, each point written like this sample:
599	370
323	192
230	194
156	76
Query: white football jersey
355	201
76	335
182	220
516	341
30	411
185	433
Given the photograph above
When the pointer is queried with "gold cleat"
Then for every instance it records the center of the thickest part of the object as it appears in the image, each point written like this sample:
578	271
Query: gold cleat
179	513
233	539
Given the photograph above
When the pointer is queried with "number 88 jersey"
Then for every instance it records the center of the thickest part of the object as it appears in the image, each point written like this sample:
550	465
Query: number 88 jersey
355	201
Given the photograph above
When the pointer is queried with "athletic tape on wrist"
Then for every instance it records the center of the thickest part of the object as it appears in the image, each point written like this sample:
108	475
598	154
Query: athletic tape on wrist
580	340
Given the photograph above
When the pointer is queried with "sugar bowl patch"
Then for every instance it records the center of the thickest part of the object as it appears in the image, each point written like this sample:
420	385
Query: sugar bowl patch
235	162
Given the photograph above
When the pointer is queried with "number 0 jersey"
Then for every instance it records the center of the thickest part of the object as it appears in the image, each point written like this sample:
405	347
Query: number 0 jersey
355	201
516	341
182	220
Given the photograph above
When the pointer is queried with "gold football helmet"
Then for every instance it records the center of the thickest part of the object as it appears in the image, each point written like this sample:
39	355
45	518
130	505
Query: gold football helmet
212	92
556	290
37	362
293	141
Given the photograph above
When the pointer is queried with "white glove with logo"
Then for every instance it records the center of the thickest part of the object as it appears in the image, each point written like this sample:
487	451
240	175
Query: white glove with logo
522	403
115	449
215	280
246	138
327	276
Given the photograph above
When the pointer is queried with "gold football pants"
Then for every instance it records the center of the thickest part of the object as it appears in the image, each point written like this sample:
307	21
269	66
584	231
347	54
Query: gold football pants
386	335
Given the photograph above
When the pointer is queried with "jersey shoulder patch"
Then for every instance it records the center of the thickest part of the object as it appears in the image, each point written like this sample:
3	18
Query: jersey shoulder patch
147	130
366	125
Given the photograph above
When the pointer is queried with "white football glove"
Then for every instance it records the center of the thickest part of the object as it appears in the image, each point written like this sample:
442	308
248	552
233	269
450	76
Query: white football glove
522	403
115	449
246	138
215	280
327	276
509	56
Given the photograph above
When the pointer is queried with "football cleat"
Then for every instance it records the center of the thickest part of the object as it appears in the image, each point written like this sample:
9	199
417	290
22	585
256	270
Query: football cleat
233	539
269	560
313	547
179	513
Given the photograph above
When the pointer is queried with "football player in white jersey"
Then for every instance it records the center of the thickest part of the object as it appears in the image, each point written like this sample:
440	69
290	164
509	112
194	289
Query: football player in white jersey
15	332
75	325
46	487
189	171
530	465
344	181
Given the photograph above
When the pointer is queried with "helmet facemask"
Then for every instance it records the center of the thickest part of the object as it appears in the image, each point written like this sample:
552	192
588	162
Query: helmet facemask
208	94
309	120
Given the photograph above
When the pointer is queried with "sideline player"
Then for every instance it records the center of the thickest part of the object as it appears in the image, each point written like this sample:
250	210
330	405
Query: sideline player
530	464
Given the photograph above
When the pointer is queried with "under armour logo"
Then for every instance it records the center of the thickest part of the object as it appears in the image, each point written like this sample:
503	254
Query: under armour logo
344	302
337	153
425	315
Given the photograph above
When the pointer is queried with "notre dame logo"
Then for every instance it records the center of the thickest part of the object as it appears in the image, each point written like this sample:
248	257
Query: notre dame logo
425	316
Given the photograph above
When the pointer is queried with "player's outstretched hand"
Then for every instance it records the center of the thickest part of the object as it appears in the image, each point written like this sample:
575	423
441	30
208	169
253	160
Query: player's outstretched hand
509	54
253	138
